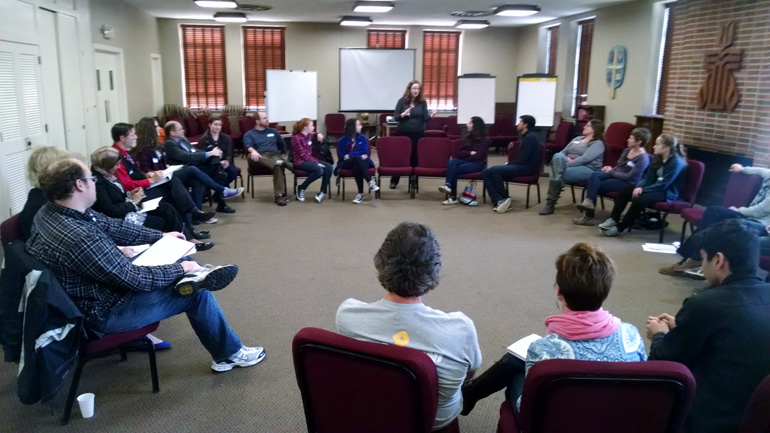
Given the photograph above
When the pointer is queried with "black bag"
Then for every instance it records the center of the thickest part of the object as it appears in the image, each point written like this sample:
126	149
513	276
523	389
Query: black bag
649	220
321	150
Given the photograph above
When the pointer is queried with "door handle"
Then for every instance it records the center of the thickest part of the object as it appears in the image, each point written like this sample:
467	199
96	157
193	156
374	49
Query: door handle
107	111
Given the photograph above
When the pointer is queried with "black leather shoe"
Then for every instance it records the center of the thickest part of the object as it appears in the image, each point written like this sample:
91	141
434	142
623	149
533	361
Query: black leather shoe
223	208
203	234
204	246
202	216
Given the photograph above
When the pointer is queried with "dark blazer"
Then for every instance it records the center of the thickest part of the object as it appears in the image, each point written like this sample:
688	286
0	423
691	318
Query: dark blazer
723	336
110	200
183	153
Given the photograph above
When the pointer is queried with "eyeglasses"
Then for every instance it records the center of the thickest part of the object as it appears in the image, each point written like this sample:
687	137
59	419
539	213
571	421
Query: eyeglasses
89	178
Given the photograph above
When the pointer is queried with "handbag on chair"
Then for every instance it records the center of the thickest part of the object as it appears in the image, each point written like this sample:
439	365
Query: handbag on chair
468	197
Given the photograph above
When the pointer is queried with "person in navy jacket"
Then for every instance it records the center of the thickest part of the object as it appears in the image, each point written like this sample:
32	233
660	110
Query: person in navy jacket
353	154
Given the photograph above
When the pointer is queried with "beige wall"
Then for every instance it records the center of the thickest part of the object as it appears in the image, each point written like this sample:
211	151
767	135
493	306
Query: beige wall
136	33
315	46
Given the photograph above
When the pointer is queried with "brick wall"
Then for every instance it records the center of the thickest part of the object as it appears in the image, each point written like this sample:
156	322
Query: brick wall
696	29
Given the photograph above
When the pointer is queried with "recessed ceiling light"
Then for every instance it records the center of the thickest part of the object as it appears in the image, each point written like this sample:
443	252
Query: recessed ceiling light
221	4
354	21
516	10
471	24
230	17
372	6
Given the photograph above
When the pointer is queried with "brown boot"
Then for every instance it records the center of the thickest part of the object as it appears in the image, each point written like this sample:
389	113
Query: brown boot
677	269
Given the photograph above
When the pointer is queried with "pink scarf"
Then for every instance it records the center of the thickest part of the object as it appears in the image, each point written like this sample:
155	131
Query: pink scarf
583	325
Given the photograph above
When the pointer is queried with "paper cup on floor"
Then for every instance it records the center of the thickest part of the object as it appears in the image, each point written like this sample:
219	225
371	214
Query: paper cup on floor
86	403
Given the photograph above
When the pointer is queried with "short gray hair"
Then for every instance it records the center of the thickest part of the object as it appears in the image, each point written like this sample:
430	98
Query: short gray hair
40	159
409	260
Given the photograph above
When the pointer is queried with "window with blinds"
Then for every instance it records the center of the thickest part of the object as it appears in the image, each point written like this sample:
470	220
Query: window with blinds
203	56
664	58
551	48
440	59
582	62
392	39
263	48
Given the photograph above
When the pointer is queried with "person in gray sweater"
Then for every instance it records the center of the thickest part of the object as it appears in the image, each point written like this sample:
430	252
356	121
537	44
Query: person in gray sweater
577	162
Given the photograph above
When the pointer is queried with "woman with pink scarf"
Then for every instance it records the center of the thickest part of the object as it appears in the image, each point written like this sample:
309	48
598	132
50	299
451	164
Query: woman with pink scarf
582	331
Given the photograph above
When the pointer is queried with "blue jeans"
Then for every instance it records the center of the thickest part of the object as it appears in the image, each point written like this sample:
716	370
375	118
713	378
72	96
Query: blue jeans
193	177
495	176
601	183
314	171
203	312
559	170
456	167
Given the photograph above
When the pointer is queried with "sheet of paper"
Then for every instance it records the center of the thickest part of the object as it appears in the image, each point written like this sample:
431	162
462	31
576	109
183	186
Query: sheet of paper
519	348
169	171
659	248
150	205
166	251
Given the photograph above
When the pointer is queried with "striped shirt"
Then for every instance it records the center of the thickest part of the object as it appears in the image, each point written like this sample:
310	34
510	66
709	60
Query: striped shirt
81	250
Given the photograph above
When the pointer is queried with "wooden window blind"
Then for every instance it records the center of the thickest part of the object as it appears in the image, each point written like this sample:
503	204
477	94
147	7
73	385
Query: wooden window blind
584	60
440	56
393	39
205	77
665	60
263	48
552	50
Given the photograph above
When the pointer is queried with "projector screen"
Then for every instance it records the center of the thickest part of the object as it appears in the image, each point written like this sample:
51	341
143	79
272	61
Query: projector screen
374	79
475	97
291	95
536	96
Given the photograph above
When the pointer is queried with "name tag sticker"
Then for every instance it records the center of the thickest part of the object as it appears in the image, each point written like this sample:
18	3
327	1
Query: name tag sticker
271	135
155	160
130	172
631	164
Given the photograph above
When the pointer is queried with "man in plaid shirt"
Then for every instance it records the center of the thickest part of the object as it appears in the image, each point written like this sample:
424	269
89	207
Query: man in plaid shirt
80	247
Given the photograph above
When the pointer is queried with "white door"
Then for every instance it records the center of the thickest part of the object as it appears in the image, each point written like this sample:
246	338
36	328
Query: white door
108	92
157	84
22	121
72	92
49	53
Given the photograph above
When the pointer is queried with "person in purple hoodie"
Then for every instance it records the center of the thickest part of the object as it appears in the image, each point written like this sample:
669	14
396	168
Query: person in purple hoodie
471	158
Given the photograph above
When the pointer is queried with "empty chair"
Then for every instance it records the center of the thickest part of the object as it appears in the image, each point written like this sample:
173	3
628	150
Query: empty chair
352	386
601	397
453	129
394	155
615	141
433	154
503	131
564	133
335	124
756	419
435	127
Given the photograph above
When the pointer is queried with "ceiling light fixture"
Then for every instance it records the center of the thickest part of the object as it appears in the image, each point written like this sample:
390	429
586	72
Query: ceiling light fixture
373	6
354	21
516	10
472	24
220	4
230	17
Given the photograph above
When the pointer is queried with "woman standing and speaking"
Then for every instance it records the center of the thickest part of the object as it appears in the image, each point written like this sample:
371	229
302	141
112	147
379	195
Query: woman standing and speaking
412	114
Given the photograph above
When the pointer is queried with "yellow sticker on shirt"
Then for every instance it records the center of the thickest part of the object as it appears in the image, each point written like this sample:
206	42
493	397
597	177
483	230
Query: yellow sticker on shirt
401	339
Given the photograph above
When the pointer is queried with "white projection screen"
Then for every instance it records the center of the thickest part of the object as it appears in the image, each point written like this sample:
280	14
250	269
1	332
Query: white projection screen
374	79
475	97
291	95
536	96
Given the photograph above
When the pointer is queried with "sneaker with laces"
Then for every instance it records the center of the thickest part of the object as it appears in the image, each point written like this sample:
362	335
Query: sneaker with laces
359	198
583	221
244	357
449	201
373	187
320	197
445	189
299	193
610	232
608	224
230	192
504	206
207	277
586	205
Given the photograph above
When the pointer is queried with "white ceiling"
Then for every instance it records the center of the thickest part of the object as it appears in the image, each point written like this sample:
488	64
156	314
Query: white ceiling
406	12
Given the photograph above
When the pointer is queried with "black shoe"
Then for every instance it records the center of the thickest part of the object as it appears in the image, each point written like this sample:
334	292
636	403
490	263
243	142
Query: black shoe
199	216
203	234
223	208
393	185
204	246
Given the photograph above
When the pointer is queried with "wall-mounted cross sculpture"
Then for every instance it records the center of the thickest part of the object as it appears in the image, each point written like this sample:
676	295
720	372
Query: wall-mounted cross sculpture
720	90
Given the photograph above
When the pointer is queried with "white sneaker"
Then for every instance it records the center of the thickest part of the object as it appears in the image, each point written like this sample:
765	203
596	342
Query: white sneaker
373	187
445	189
207	277
608	224
359	198
610	232
299	193
504	206
320	197
230	192
244	357
449	201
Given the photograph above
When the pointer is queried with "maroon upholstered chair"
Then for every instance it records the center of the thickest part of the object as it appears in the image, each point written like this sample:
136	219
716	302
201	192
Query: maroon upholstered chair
741	189
10	230
394	154
203	122
433	154
131	341
601	397
453	129
503	131
435	127
192	132
352	386
246	124
564	133
335	124
615	140
692	184
756	419
528	181
255	170
236	138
